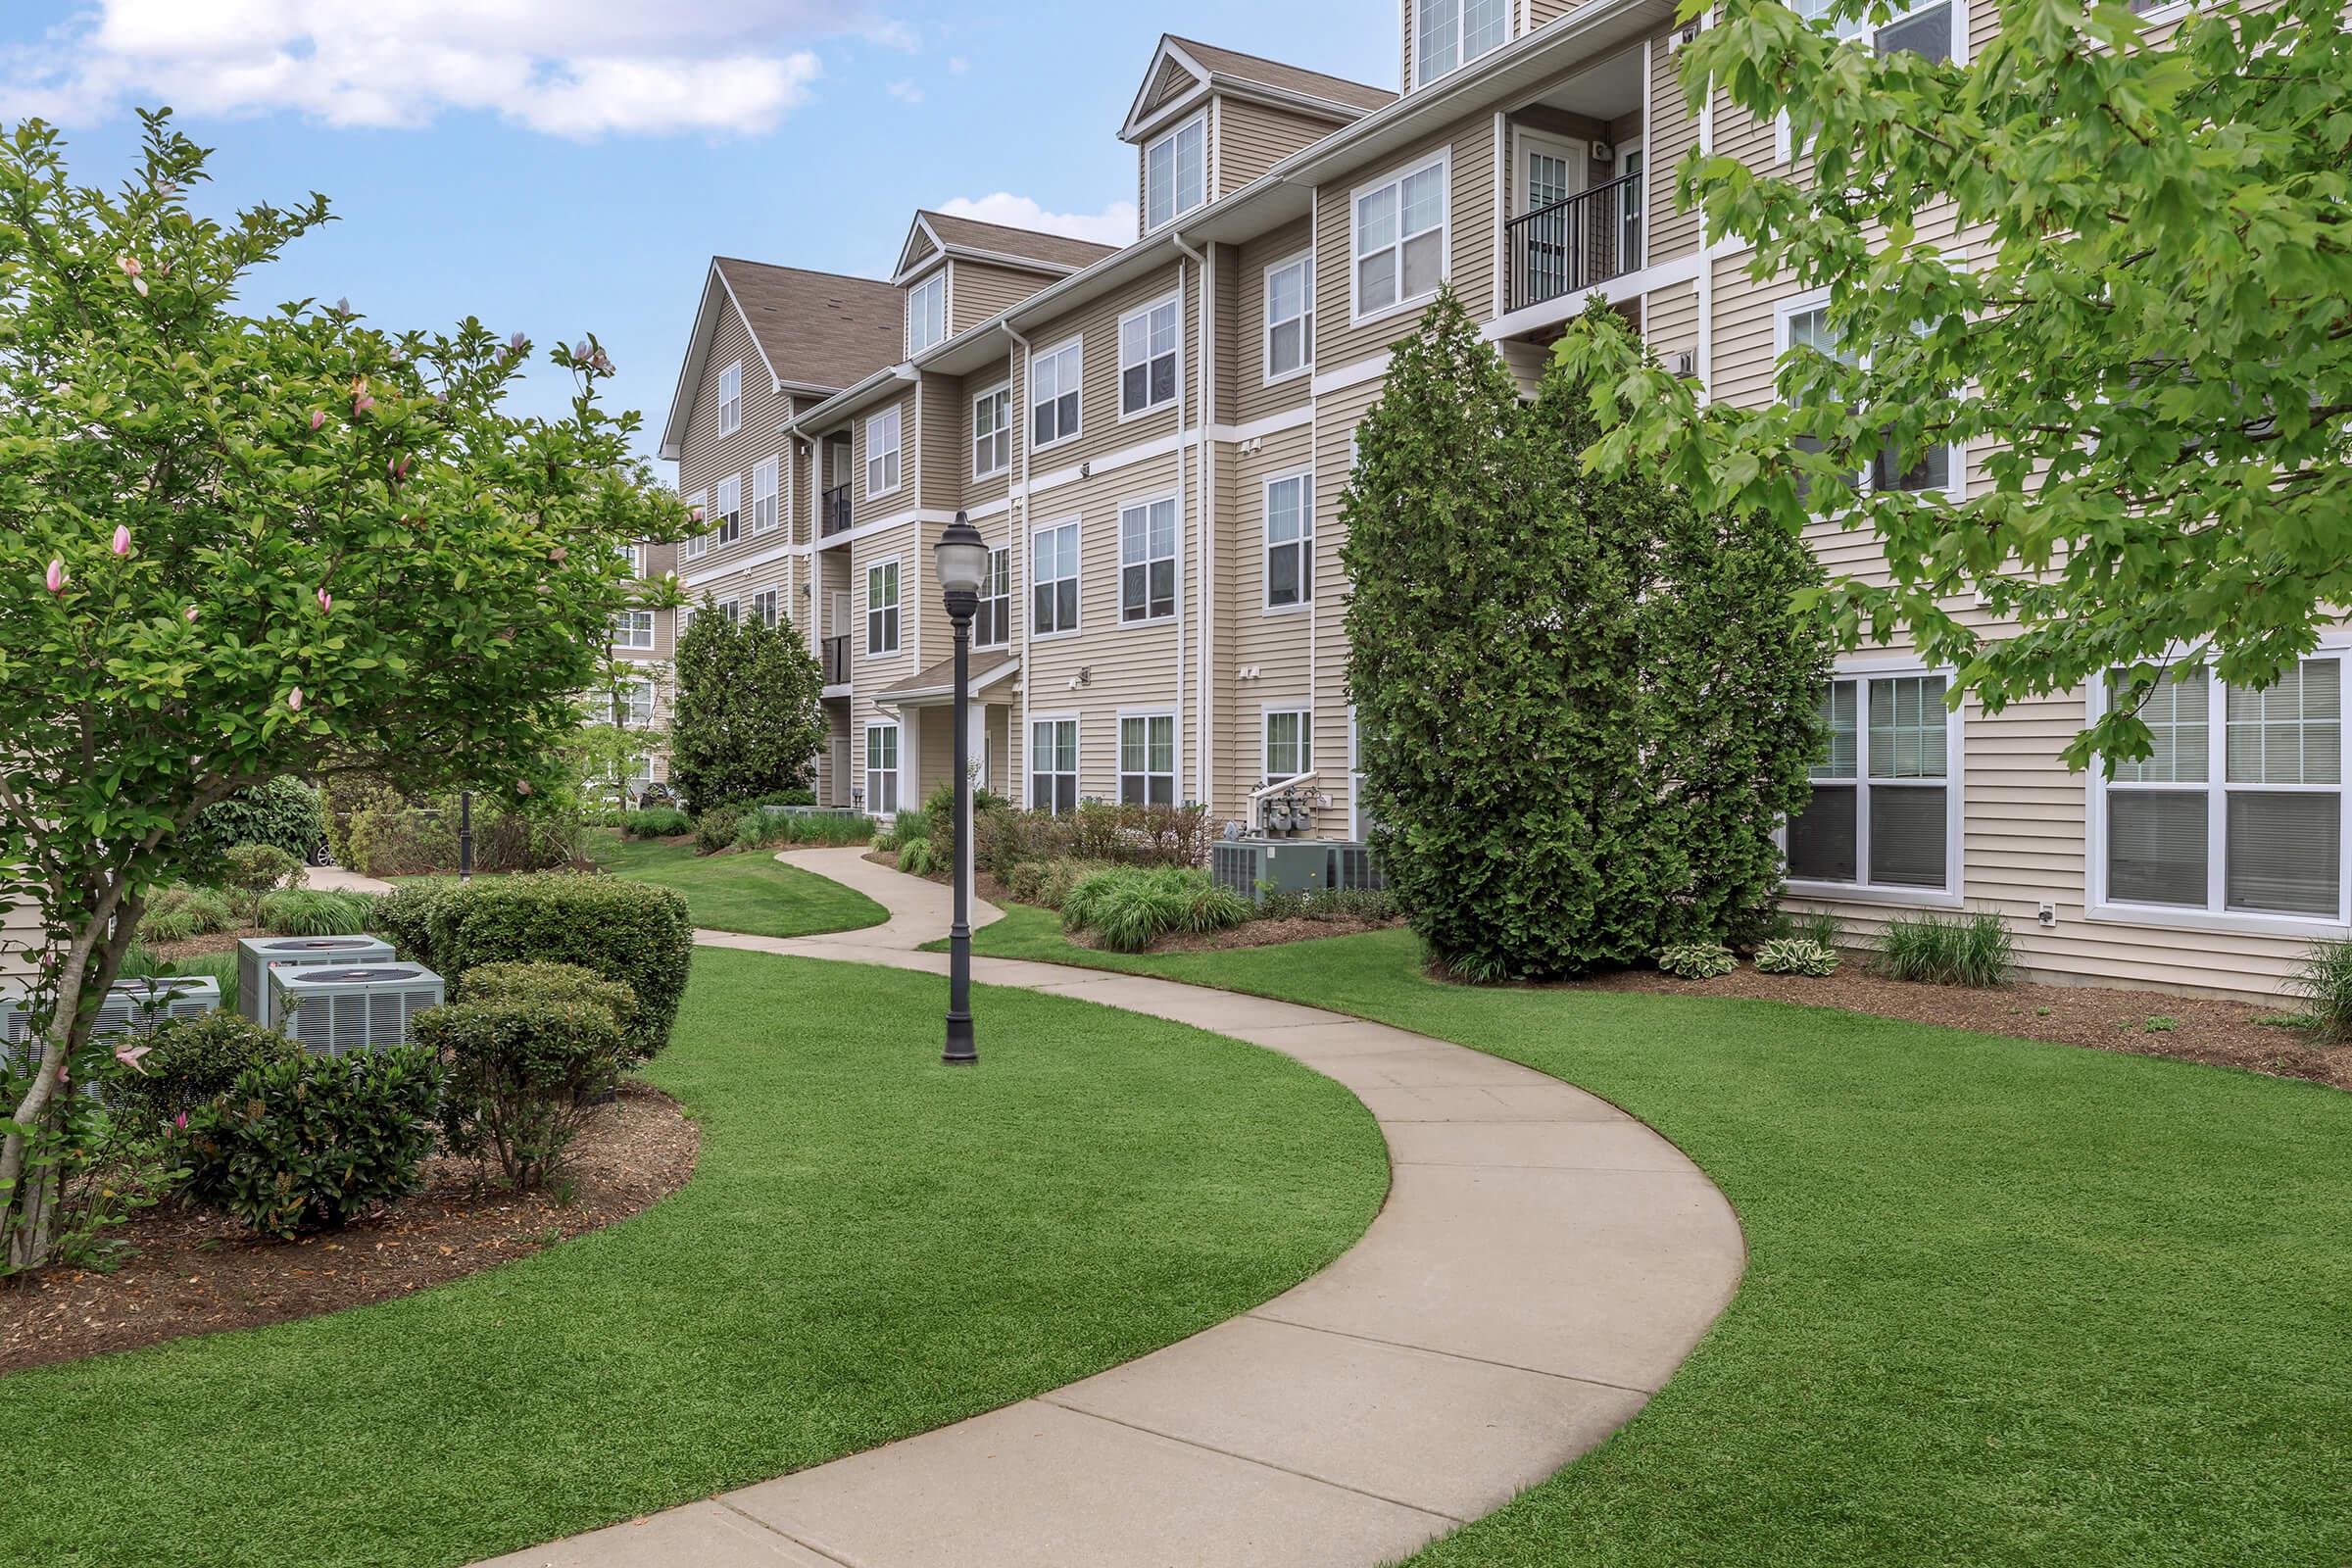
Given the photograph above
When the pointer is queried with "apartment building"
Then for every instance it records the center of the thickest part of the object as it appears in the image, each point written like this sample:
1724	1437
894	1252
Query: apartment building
1156	440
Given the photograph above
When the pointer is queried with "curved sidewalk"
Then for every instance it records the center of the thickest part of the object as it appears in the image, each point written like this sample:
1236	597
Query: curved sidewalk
1543	1264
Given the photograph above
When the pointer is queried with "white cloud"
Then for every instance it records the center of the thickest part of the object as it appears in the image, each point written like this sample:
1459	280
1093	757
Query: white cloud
957	65
906	92
1112	225
569	67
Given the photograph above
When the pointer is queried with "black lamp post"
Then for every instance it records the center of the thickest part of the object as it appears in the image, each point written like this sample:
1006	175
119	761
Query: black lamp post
962	557
465	835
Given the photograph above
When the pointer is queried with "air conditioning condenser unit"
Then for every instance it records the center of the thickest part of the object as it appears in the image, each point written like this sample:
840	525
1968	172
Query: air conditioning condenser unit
333	1011
257	955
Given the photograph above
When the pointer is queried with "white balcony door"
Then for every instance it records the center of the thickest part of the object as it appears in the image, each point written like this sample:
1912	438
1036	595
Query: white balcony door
1551	168
841	626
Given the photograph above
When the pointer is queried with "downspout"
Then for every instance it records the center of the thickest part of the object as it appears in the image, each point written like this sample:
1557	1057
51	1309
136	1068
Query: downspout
1017	516
1207	516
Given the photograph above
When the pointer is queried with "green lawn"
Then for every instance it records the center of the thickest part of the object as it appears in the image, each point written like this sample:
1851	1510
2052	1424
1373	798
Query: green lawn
753	893
2007	1303
873	1245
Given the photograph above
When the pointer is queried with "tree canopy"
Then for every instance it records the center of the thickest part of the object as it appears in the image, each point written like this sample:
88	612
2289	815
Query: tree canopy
237	546
745	719
2123	267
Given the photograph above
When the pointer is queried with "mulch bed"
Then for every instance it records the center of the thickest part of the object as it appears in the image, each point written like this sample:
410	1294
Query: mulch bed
199	1273
2216	1033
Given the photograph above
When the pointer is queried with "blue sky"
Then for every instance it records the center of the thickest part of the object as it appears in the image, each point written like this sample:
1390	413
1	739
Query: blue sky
562	166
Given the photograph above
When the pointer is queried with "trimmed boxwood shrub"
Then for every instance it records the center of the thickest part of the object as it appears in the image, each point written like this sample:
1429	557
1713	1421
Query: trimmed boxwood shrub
303	1142
562	983
630	932
189	1064
716	830
284	813
525	1071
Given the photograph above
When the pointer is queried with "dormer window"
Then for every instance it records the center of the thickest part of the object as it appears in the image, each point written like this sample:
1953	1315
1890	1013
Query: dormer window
927	313
1450	34
1175	173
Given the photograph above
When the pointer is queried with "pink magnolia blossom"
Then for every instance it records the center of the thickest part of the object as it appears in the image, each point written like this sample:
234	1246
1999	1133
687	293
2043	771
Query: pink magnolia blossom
129	1055
343	306
121	544
54	579
327	601
189	614
559	555
140	284
694	513
294	699
317	418
360	405
129	264
180	1121
398	468
522	786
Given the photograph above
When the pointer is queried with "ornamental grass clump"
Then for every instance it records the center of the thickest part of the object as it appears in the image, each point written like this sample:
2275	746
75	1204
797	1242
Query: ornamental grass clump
1130	907
2324	980
1797	955
179	912
1947	951
1697	961
315	912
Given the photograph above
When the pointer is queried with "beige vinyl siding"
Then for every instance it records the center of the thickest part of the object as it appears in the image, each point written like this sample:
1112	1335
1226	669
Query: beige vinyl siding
1101	429
1252	138
1252	398
864	509
945	410
1225	324
1670	321
1281	645
1175	80
1543	13
1470	210
976	493
977	290
1672	132
706	457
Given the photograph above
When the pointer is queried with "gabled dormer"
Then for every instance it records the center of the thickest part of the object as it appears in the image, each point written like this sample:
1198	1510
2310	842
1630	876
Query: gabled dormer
1208	121
957	272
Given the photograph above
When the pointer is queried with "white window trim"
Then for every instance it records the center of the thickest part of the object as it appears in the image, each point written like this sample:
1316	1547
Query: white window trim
1200	118
896	415
1956	801
769	472
1029	767
1266	716
1510	30
1174	399
1012	596
1787	310
699	544
1306	540
914	297
731	610
1118	759
727	427
1001	389
1305	319
772	591
1078	576
1355	778
867	771
1176	599
1029	430
2098	906
1784	146
630	643
897	569
1444	161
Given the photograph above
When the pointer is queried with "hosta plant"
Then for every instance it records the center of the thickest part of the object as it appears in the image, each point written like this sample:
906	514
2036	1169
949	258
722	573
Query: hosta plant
1696	960
1795	955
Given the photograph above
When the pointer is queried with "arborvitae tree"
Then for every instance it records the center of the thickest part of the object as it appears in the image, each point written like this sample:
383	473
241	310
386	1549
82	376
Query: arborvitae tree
1583	709
745	719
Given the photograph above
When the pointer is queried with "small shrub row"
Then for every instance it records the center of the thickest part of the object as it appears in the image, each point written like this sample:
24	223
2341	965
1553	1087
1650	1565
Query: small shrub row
189	1064
1047	883
1372	905
657	822
630	932
381	833
767	830
1004	837
1129	907
529	1048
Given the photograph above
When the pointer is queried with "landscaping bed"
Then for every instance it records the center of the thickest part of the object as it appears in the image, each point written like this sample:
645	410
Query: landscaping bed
198	1273
2144	1023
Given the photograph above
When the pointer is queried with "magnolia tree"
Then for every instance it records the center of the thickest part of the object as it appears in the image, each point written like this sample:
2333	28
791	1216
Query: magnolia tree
236	547
2127	267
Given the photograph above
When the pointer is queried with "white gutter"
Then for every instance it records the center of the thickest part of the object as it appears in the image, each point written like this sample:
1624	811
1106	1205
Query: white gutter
1207	516
1017	518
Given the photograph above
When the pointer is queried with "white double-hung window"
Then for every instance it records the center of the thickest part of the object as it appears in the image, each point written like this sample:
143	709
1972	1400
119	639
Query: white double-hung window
1054	764
882	451
1886	809
1290	541
730	399
1921	29
633	631
1806	324
1147	760
728	512
1054	580
1175	173
2239	810
927	313
882	607
881	769
1148	347
1290	743
1053	385
992	621
1147	560
1290	318
991	432
636	705
764	485
1400	239
1450	34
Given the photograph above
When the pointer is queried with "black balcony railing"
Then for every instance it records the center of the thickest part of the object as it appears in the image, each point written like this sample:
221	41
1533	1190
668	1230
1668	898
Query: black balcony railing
837	661
1589	238
833	511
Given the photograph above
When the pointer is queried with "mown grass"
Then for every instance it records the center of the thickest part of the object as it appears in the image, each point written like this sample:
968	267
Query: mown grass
872	1246
2007	1303
752	893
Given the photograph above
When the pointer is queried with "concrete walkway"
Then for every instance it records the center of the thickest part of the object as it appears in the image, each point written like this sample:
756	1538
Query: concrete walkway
1543	1264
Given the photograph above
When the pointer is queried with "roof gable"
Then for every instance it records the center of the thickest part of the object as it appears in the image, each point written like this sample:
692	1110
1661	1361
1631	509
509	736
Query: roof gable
821	331
1035	249
1181	68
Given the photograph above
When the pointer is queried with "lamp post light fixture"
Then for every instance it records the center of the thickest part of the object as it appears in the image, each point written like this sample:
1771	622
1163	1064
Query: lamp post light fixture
962	558
465	835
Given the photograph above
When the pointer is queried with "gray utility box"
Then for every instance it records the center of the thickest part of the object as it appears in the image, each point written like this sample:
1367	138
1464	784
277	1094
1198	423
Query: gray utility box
333	1011
131	1007
257	955
1251	866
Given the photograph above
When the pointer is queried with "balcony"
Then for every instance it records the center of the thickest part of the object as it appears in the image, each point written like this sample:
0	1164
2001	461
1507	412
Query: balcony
1574	244
833	511
837	661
